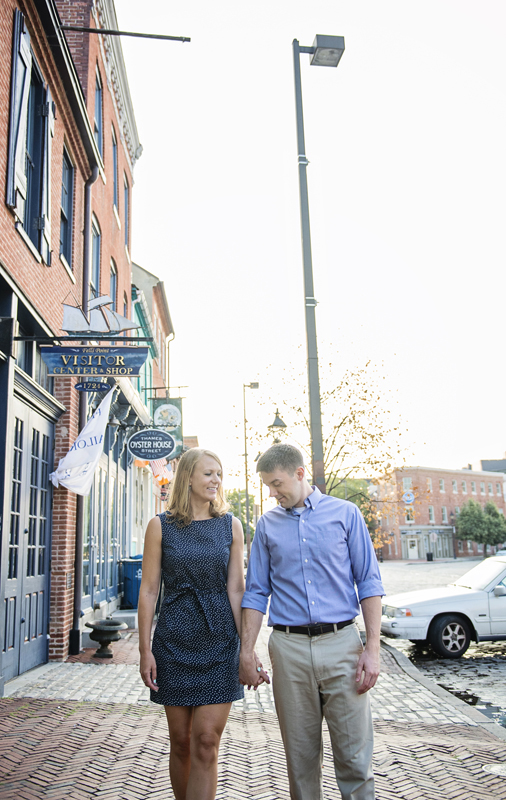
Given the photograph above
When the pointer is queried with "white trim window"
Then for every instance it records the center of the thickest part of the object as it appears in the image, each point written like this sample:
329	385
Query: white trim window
464	487
454	486
498	489
429	484
473	487
410	514
442	485
490	489
482	487
431	514
444	514
407	484
31	131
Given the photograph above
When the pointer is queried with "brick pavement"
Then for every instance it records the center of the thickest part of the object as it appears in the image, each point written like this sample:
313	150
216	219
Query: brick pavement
428	744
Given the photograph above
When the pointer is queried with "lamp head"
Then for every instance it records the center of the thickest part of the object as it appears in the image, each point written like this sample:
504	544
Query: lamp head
327	51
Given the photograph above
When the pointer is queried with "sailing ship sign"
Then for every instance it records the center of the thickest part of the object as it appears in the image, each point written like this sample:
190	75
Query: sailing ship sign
100	320
94	361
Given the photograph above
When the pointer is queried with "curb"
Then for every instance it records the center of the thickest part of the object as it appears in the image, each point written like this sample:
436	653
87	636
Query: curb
464	708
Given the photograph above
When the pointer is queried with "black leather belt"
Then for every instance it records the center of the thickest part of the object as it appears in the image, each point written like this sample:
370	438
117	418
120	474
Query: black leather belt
314	630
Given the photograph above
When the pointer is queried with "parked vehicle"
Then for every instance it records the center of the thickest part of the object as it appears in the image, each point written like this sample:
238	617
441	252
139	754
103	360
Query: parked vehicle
449	618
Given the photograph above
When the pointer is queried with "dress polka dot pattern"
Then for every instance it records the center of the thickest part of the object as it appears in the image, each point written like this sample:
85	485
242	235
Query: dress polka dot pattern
195	644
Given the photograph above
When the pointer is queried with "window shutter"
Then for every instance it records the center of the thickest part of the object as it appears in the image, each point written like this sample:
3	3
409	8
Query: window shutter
20	89
45	210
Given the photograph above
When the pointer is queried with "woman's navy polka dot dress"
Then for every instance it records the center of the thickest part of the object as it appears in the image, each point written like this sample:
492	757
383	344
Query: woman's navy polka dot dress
195	644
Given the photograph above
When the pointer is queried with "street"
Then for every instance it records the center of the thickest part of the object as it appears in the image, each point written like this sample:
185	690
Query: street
479	677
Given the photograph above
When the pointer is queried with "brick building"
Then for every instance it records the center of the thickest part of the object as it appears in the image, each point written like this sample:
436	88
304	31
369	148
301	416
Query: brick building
418	506
69	146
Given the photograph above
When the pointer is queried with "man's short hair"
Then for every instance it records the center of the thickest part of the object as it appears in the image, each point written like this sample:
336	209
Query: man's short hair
280	456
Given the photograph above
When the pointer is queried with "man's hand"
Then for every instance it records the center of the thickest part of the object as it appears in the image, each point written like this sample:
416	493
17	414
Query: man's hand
368	669
248	671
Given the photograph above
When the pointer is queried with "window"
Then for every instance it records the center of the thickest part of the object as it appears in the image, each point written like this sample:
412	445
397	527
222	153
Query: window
444	514
127	207
490	489
498	488
410	516
125	305
429	484
30	137
454	485
479	547
431	514
115	169
464	487
95	258
469	546
441	485
97	123
113	285
460	545
67	191
407	483
473	487
457	511
482	487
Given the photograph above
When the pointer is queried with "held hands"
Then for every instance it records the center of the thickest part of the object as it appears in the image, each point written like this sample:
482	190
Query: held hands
251	673
148	671
368	669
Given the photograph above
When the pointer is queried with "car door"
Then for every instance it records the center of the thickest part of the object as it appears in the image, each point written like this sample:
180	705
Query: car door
497	607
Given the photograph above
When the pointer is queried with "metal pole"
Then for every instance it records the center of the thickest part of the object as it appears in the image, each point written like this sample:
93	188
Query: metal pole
315	415
248	532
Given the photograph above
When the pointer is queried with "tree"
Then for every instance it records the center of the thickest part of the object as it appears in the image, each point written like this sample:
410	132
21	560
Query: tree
237	500
361	436
487	527
495	525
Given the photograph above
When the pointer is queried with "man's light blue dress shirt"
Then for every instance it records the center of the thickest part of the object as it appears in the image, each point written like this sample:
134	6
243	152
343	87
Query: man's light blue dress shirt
309	563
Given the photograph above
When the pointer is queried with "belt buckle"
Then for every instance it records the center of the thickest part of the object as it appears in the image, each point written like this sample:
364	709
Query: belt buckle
312	630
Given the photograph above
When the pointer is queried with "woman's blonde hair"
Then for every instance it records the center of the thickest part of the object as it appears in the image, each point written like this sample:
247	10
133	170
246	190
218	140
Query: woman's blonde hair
179	508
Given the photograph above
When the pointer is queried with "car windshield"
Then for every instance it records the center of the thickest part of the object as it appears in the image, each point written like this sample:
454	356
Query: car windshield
480	576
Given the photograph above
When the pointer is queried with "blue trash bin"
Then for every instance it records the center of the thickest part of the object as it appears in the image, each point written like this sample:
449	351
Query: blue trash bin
132	575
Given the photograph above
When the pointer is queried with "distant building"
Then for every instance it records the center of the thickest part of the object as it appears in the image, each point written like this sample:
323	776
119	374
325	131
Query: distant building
418	507
494	465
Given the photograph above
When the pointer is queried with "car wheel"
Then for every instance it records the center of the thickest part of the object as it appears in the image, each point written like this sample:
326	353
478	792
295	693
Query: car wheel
450	636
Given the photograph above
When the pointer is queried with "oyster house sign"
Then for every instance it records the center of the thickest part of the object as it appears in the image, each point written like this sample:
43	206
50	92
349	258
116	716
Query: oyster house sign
116	362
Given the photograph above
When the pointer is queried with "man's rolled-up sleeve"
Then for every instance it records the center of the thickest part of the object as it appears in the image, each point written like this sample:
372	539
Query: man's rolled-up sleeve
364	563
258	583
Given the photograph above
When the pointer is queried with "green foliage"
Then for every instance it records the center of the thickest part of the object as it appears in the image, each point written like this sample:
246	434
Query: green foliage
485	526
356	490
237	500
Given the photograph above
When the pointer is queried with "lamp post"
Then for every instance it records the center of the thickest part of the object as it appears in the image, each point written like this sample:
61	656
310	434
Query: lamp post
248	532
326	51
452	523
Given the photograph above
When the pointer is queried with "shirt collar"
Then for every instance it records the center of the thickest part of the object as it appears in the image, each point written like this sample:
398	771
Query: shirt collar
311	500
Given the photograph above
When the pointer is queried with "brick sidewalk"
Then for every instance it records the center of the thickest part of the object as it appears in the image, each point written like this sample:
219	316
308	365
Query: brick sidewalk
84	751
429	745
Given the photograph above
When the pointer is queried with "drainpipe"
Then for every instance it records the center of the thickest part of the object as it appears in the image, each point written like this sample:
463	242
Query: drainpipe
75	633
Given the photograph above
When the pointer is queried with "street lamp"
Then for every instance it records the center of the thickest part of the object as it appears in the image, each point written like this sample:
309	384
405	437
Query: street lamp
277	426
326	51
248	532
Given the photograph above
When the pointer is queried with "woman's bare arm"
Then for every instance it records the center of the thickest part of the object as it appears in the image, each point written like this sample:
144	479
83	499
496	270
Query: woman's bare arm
148	594
235	576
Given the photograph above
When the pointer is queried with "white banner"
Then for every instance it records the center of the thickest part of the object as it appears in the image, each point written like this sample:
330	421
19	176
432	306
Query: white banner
76	470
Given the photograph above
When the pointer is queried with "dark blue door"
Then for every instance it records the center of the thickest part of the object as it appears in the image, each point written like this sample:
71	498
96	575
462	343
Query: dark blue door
27	546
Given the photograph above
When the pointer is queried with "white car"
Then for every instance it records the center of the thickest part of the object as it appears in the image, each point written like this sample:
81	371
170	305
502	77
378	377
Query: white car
449	618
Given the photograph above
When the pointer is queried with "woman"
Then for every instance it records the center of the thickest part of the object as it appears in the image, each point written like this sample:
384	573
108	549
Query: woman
193	666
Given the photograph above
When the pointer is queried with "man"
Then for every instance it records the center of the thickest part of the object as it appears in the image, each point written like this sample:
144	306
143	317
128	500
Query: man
308	554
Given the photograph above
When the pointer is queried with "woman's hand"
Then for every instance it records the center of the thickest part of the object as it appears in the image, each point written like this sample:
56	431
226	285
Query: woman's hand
148	671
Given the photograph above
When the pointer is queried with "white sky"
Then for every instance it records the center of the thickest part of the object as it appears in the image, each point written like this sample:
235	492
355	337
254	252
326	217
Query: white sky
406	141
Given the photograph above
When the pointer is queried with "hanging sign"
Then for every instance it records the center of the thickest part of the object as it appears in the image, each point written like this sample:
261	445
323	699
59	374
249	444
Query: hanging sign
94	361
151	444
92	386
168	414
75	471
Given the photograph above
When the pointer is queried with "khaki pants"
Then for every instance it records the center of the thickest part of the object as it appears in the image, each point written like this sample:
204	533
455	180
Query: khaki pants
314	677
